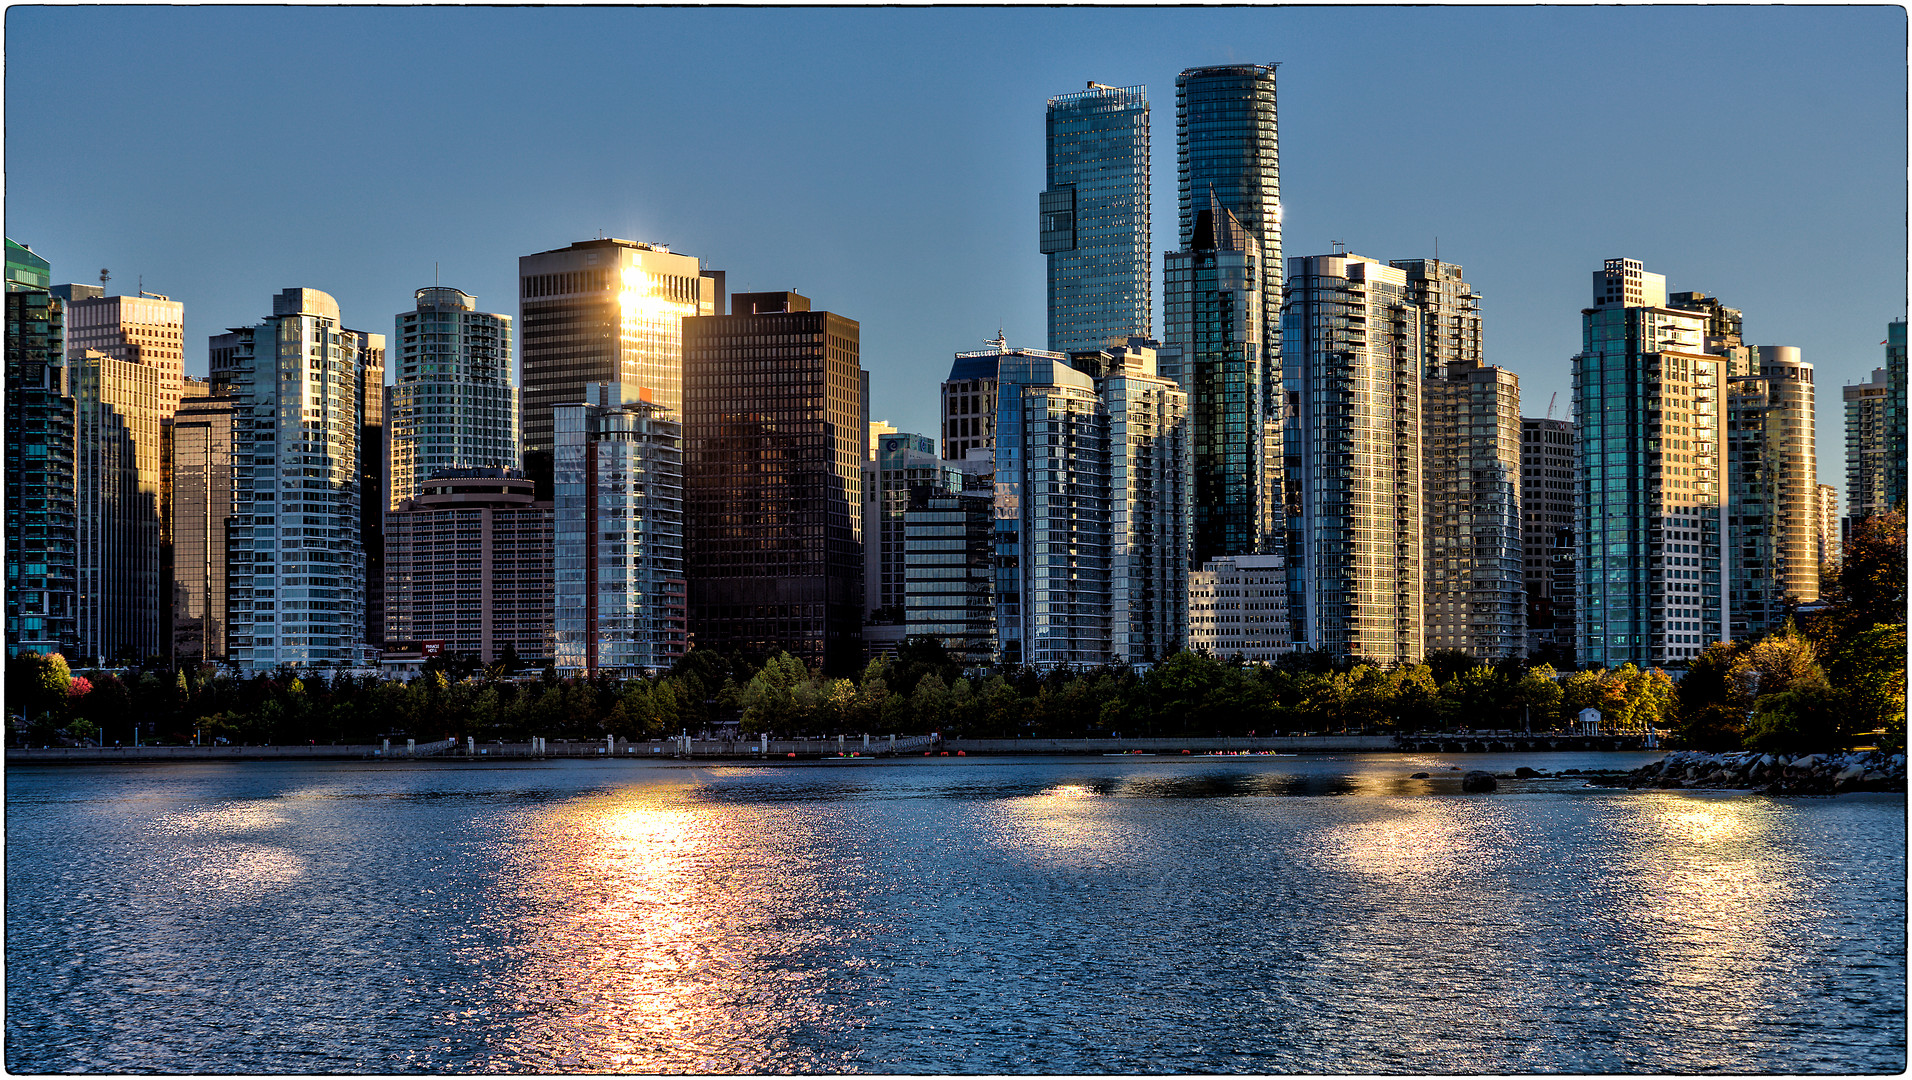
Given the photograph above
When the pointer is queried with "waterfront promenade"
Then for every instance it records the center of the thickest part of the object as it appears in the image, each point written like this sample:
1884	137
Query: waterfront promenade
876	746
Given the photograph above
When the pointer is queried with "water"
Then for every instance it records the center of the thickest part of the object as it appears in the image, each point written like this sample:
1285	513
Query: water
943	916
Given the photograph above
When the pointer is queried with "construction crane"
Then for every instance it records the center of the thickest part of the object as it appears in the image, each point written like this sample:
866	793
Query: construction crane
1550	404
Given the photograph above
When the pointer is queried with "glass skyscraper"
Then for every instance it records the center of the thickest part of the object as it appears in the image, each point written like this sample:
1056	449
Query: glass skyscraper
42	563
1095	217
452	404
1225	141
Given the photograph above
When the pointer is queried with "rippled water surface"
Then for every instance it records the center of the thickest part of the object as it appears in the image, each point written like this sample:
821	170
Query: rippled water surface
1114	915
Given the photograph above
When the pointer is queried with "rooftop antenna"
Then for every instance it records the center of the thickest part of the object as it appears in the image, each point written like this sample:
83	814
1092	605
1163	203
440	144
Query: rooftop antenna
103	276
1340	247
999	341
434	274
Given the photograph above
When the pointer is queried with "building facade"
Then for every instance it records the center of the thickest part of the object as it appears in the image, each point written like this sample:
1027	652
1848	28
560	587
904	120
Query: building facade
451	404
1095	217
1238	607
125	355
1652	535
774	435
1052	529
605	311
1353	365
1212	292
201	501
1546	527
1825	532
1773	486
969	402
949	593
468	564
619	536
296	568
902	463
1151	508
41	522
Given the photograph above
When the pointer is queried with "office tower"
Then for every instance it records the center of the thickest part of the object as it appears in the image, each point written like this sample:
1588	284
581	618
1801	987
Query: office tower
1238	607
1649	521
1095	217
126	356
604	311
1546	532
949	592
1825	530
1213	293
1867	406
1150	505
41	527
452	402
296	574
201	501
619	536
1353	355
878	429
1773	486
1052	514
969	401
373	457
1225	144
468	564
903	462
1470	459
775	435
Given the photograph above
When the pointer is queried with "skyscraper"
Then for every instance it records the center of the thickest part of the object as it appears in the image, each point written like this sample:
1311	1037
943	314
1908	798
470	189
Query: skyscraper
605	311
452	403
775	436
468	562
42	563
1875	433
969	403
618	536
1352	340
1150	506
1546	511
126	355
903	463
1052	514
1470	464
1649	513
1213	293
1095	217
1895	460
949	594
1773	486
201	502
296	574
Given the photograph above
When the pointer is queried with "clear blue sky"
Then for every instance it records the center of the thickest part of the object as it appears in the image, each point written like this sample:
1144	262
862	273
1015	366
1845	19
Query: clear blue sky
886	162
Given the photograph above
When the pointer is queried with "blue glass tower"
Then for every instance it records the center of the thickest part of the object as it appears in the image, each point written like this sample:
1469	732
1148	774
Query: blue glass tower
1095	218
42	553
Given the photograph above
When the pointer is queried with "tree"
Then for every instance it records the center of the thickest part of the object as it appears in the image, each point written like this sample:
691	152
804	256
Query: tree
1803	717
1712	703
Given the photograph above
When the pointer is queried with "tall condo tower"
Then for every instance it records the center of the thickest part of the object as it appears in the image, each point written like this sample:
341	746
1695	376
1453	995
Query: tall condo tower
1354	354
1649	516
468	562
1546	541
1095	217
775	435
452	403
605	311
296	570
42	563
126	355
1470	473
1214	291
1875	433
201	503
1773	485
1149	506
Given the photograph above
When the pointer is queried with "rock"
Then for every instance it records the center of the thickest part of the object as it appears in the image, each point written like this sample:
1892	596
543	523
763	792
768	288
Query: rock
1850	772
1479	780
1669	782
1570	772
1418	776
1524	773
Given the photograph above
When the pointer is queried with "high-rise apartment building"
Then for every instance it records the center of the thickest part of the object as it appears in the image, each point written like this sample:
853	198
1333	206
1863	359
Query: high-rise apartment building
1895	460
1875	433
1470	461
1825	530
468	564
1773	486
1546	531
1150	505
619	536
949	593
969	402
1052	533
451	403
1213	294
1095	217
605	311
201	501
373	458
1649	515
774	437
1238	607
41	526
125	355
902	463
296	570
1353	356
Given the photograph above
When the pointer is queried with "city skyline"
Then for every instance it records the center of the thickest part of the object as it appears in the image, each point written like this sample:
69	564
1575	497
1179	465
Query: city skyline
1517	187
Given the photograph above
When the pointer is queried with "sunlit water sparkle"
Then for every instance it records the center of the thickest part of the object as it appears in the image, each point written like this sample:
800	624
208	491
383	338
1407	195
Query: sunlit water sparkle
1250	915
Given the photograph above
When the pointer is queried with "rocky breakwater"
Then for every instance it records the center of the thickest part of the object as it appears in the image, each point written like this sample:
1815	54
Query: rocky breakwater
1772	774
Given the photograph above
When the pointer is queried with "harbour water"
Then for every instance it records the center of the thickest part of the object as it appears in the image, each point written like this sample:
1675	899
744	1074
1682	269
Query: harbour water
1314	914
